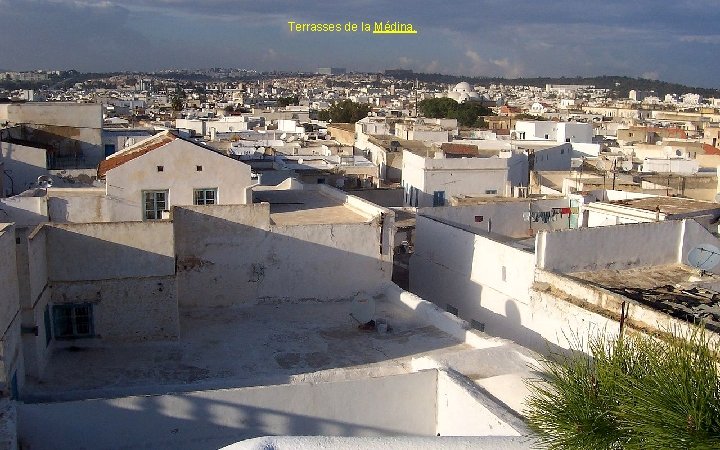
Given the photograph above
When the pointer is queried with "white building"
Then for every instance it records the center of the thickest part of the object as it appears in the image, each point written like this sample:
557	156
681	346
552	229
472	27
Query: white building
430	178
670	165
545	291
146	179
578	134
560	132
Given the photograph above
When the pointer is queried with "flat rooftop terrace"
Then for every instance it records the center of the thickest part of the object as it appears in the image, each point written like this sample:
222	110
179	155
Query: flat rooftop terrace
298	207
668	205
267	343
675	289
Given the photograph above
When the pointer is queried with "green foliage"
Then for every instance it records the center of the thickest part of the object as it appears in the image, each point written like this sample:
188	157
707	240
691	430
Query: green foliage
287	101
635	392
345	111
177	101
525	116
467	114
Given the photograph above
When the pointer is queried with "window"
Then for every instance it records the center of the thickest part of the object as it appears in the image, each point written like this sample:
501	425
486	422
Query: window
205	196
160	168
439	198
567	139
48	325
73	321
198	168
109	149
155	203
491	191
504	273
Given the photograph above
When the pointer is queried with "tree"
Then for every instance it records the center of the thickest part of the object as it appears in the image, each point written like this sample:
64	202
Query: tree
177	101
287	101
467	114
632	392
345	111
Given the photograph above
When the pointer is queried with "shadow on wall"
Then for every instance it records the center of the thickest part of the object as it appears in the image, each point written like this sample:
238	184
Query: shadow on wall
19	176
442	272
23	211
185	421
68	151
127	290
136	274
222	261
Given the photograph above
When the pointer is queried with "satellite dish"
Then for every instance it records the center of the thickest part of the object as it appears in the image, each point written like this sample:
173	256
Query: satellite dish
704	257
627	166
300	161
363	308
44	181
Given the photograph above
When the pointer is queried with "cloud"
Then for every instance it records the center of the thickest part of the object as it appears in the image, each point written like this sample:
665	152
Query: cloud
654	75
707	39
471	37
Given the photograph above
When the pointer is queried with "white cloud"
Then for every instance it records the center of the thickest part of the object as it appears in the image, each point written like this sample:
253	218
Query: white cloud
652	75
702	39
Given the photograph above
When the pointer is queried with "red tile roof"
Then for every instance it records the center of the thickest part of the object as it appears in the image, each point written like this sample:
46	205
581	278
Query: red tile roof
135	151
710	150
459	149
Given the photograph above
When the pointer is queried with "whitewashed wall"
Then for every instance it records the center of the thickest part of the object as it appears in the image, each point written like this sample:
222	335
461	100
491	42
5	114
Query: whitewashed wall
230	255
505	218
395	405
600	248
24	165
454	267
35	294
23	211
12	360
125	269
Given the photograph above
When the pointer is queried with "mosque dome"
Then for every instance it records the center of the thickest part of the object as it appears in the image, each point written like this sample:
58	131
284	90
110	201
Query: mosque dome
463	92
463	87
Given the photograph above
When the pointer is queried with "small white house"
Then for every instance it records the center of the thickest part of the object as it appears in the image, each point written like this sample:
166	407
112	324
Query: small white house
166	170
430	179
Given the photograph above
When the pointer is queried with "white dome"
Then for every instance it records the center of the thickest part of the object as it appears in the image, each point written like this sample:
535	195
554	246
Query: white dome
463	87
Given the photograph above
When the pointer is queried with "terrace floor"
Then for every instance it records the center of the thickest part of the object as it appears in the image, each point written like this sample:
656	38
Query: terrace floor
268	343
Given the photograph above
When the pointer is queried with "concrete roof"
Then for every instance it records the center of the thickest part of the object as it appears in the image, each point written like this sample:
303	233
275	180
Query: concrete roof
307	206
418	147
252	345
675	289
668	205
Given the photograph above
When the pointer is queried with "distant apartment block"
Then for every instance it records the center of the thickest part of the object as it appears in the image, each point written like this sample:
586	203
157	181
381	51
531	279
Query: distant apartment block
331	71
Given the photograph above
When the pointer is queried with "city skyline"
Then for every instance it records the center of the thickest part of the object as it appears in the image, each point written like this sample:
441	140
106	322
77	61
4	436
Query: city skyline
674	43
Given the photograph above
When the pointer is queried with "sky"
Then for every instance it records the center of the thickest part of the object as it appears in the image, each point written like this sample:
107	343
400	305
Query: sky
677	41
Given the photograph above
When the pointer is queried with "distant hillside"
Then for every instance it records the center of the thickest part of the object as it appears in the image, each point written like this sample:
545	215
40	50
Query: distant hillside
620	86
